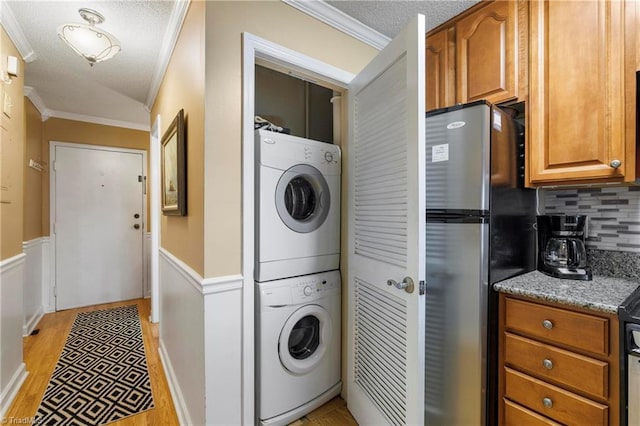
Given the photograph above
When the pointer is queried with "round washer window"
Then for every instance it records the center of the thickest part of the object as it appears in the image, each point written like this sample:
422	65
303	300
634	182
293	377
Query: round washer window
304	338
302	198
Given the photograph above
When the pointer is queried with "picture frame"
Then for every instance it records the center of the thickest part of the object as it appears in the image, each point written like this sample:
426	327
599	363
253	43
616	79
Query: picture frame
172	168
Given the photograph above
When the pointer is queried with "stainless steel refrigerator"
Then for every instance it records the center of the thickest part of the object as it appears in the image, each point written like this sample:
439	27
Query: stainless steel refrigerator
480	230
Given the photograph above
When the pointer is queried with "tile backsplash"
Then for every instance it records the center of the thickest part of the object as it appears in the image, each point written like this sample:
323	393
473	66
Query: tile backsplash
614	214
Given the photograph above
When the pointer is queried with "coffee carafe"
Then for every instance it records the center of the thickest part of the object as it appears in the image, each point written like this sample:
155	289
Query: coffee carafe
561	250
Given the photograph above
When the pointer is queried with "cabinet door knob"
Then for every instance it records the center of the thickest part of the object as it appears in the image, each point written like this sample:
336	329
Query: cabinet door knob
547	324
547	402
548	364
615	163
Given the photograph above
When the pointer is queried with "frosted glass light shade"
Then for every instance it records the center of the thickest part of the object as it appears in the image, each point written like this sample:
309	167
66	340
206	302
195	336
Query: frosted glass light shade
89	42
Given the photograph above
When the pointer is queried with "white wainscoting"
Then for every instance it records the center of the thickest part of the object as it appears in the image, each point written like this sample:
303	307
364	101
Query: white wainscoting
36	282
201	342
146	265
12	367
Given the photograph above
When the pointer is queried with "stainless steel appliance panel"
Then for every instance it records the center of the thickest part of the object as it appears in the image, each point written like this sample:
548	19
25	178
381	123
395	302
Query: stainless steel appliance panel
457	159
456	323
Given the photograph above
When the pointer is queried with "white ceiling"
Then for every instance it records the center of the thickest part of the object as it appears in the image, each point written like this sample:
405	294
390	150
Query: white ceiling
390	16
120	91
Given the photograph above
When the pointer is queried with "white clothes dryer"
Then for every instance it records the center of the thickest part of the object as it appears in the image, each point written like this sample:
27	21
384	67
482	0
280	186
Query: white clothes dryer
298	346
297	206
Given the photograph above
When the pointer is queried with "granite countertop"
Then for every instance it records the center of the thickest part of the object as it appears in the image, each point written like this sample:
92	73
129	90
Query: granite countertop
602	294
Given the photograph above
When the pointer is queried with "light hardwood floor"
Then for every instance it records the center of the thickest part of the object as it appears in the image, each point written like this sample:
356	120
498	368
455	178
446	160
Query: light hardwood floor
41	352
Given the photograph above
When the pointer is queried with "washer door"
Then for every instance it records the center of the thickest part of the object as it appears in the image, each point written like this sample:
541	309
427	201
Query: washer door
304	339
302	198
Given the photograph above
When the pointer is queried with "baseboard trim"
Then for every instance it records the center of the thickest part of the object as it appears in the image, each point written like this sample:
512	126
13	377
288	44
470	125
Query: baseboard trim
9	394
31	323
174	388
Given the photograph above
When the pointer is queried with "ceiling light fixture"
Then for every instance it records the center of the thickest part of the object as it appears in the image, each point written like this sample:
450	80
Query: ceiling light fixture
93	44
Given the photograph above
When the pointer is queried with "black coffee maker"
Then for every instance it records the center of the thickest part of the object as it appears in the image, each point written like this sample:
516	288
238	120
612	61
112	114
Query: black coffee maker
561	250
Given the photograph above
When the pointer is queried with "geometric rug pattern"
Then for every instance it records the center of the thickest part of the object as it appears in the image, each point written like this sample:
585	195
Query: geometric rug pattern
101	375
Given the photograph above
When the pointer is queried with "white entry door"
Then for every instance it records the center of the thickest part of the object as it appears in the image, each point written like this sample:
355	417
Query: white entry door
97	224
386	206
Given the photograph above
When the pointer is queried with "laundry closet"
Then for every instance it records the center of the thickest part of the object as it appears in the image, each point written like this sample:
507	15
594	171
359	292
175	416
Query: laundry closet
298	291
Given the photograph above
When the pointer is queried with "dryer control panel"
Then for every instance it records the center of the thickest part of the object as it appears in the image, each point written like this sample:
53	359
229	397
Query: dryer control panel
293	291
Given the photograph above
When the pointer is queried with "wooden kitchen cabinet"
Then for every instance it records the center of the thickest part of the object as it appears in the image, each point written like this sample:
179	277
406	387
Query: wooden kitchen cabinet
582	95
480	54
440	75
491	53
557	365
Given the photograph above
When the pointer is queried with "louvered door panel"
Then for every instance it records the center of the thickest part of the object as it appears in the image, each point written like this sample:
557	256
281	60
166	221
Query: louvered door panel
381	169
380	348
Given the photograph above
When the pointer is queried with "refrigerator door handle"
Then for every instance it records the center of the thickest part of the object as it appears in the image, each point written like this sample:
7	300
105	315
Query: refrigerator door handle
406	284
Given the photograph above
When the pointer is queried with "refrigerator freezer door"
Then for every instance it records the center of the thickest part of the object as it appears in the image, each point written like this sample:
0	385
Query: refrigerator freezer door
457	159
456	323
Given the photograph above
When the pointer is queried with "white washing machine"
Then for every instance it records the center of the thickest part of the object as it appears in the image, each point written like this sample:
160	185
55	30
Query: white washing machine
298	346
297	206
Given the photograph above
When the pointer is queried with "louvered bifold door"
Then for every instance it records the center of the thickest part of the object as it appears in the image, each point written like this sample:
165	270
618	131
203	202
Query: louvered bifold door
386	234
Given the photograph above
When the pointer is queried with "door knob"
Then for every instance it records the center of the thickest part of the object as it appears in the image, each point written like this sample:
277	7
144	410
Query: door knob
615	164
406	284
136	226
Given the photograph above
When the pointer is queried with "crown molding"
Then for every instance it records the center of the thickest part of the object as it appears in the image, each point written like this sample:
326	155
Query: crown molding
340	21
174	26
14	30
37	102
98	120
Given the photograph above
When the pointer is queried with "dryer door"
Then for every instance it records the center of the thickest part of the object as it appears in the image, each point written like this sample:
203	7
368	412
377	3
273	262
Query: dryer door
302	198
304	339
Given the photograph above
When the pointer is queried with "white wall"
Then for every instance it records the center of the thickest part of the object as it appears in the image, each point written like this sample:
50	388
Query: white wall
182	337
12	369
201	343
36	281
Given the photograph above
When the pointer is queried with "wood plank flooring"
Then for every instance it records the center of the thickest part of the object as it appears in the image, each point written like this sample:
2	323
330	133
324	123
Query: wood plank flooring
41	353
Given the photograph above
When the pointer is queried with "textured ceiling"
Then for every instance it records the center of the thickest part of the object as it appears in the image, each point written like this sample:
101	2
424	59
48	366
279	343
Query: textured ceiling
115	89
390	16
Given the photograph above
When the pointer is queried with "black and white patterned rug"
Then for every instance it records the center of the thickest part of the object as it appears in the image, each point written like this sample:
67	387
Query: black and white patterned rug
102	374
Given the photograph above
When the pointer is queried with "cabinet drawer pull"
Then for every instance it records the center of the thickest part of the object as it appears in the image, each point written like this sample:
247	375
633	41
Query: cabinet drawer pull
547	402
548	364
615	164
547	324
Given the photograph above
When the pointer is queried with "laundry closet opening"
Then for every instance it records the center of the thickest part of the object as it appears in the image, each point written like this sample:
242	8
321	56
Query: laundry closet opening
297	105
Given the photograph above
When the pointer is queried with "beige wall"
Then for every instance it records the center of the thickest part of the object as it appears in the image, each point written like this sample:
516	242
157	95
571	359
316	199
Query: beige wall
278	23
12	141
183	88
33	179
61	130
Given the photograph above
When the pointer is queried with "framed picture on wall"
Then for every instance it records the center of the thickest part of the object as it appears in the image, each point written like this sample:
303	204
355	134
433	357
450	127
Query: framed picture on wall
172	168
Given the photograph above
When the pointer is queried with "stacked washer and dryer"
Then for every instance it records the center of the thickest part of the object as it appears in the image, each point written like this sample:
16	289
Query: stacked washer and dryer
298	296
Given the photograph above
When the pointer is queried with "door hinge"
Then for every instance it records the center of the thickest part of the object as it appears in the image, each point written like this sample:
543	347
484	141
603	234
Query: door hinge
54	165
55	291
421	288
54	228
144	186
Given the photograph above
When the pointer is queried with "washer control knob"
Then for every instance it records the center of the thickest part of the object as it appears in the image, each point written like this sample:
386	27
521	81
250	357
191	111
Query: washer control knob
328	156
307	291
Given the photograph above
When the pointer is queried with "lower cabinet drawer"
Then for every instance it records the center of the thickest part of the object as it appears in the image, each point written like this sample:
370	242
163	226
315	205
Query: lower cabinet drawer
516	415
552	401
548	362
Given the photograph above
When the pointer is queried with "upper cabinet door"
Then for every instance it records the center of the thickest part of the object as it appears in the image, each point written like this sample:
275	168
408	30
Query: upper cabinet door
487	54
440	75
582	91
386	234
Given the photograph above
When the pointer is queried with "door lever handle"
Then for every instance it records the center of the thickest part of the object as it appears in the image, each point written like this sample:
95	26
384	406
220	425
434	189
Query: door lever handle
406	284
